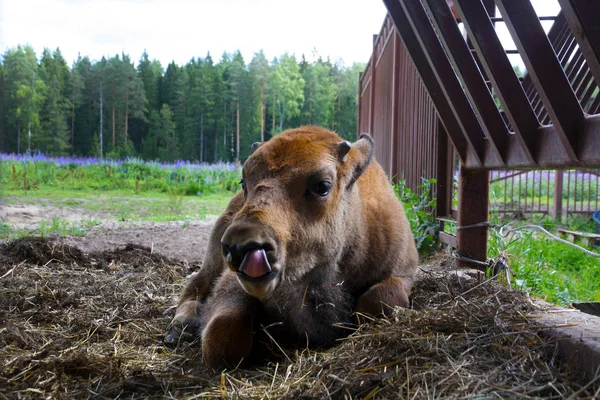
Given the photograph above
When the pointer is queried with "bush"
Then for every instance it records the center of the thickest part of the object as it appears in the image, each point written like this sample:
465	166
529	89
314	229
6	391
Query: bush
419	211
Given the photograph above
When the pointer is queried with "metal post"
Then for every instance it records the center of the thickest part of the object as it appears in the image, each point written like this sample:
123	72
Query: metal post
558	190
372	89
473	201
394	134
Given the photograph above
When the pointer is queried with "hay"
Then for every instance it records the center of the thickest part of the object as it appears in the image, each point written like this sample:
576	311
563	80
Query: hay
92	326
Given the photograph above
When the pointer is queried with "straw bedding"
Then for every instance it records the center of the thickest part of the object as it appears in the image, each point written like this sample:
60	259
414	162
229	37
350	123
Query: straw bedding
75	325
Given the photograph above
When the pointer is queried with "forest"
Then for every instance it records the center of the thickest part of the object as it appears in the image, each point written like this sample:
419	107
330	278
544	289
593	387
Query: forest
203	111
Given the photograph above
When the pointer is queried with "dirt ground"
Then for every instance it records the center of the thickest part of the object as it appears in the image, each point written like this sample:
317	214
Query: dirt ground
84	317
22	215
184	241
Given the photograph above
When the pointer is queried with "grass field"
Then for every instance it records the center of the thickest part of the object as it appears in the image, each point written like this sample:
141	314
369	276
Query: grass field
107	190
81	194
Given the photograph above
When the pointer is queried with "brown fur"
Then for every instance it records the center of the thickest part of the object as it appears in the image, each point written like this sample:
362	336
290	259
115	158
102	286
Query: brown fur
349	250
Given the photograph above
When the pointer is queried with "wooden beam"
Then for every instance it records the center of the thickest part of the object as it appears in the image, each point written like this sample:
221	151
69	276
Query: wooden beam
558	192
451	88
582	16
372	89
450	240
444	178
427	75
546	72
394	131
466	68
473	203
552	152
500	72
557	35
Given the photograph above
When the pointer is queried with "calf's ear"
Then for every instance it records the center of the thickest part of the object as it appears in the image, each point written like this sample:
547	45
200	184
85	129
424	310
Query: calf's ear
254	147
357	156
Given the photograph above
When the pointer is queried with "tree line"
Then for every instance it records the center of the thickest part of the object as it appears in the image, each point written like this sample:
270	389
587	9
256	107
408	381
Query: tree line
202	111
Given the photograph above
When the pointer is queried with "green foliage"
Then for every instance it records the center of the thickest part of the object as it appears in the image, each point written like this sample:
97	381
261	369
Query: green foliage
418	207
287	88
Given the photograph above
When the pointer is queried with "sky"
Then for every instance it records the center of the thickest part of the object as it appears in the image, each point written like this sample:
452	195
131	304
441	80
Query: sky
181	29
177	30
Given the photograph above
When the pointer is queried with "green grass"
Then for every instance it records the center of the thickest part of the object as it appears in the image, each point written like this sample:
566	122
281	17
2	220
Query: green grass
115	191
111	206
56	226
559	273
128	177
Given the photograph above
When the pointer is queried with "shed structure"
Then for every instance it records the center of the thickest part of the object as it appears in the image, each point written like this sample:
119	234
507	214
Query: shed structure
440	83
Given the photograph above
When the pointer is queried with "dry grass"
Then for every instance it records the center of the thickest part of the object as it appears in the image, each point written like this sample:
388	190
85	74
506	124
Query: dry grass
78	326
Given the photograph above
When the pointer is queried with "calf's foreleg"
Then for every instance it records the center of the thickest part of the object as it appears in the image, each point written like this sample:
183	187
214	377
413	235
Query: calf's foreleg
229	318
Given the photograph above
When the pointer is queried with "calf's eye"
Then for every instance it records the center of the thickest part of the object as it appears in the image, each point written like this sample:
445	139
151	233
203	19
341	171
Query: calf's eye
322	188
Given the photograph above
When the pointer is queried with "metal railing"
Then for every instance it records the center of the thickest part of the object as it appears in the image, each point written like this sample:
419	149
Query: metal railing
555	193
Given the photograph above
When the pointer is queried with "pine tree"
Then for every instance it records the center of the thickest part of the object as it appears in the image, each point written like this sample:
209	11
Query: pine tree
54	135
24	96
259	70
77	88
86	96
287	89
319	94
161	141
3	143
135	100
150	73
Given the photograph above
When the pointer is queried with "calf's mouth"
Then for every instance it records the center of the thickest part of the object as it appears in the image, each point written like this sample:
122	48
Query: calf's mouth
255	266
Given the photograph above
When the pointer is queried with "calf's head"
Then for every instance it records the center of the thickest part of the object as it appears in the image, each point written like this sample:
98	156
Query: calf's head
299	197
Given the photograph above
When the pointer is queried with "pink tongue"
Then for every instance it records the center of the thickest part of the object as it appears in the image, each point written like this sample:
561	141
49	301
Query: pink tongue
255	264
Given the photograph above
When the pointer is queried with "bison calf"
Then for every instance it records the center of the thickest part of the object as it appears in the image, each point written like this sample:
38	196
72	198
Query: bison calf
315	235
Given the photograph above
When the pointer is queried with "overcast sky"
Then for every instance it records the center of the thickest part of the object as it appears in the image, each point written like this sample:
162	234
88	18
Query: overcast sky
181	29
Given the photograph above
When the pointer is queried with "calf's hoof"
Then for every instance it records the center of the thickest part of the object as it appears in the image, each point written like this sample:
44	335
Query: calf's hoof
186	325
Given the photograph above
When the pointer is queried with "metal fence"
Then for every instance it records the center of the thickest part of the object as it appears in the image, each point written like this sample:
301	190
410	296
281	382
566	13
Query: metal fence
396	110
555	193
